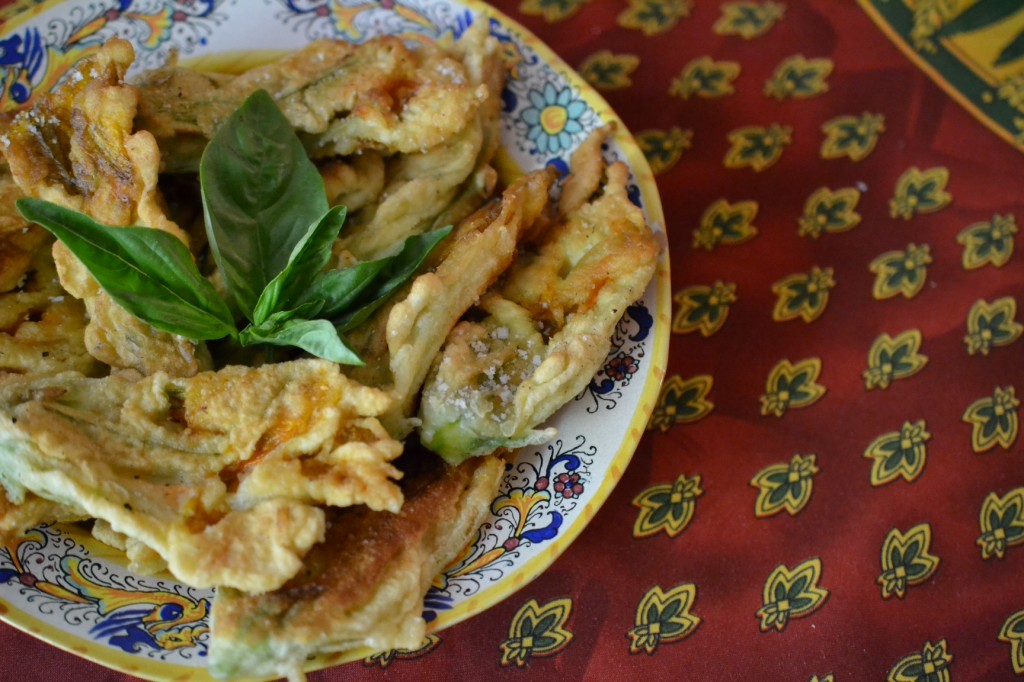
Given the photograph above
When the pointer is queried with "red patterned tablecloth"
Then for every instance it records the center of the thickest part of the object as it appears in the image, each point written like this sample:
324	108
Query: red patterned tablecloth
832	485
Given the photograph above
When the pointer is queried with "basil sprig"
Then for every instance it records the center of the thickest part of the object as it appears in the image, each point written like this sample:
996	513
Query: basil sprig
270	230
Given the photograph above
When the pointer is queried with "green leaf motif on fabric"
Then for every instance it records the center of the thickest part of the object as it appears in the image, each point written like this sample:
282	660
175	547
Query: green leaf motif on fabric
703	308
992	324
828	211
852	137
790	386
920	191
748	19
1001	521
667	508
901	272
797	77
803	296
662	149
988	243
1012	632
705	78
791	593
682	401
608	71
931	664
725	223
994	420
653	17
785	487
906	560
894	358
757	147
663	618
900	454
552	10
537	631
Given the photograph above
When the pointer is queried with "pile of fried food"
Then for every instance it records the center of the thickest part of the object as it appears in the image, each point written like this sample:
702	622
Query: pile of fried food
278	483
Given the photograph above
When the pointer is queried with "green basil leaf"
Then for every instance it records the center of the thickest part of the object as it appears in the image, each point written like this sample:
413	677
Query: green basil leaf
306	261
397	270
340	288
318	337
260	195
150	273
306	311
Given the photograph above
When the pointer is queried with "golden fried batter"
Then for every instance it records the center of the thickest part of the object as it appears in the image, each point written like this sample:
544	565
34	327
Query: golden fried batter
546	327
19	240
401	339
343	98
222	474
437	186
364	585
76	148
41	327
15	519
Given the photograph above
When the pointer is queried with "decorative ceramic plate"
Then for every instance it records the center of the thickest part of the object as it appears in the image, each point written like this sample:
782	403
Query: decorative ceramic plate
60	585
972	50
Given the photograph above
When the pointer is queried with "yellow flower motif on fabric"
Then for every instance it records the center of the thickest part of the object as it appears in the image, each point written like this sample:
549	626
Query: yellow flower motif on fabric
906	560
784	487
992	324
853	137
725	223
799	78
667	508
1002	523
920	191
654	16
802	295
830	211
828	678
901	272
663	149
703	308
931	664
894	358
682	401
757	147
537	631
552	10
663	618
607	71
791	386
791	594
748	19
988	243
994	420
899	454
705	78
383	659
1012	633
